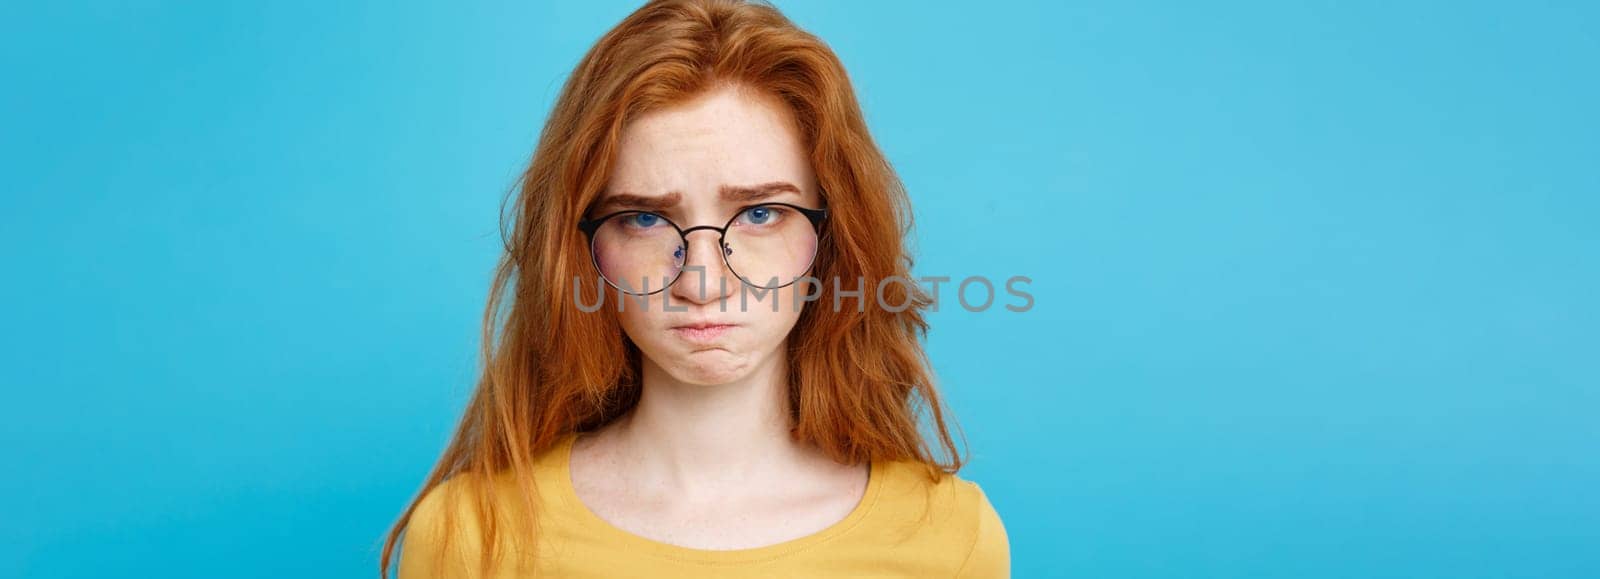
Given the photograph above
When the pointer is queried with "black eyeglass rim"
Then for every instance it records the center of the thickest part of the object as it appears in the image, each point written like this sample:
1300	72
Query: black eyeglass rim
590	226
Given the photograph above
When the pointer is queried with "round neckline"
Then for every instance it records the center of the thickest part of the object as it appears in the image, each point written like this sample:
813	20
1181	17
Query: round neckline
569	492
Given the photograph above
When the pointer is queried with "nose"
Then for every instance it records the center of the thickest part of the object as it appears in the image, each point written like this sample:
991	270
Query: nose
705	277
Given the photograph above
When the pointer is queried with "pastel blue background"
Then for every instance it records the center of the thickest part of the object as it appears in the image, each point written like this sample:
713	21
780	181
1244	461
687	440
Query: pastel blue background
1315	284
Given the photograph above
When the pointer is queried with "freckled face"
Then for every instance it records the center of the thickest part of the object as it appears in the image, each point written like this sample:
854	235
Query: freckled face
699	162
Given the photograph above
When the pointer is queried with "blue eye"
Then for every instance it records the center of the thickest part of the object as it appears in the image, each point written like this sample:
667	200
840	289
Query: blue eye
759	215
642	220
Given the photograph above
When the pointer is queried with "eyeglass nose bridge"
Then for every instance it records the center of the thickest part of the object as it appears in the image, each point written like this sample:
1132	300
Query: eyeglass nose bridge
720	230
722	239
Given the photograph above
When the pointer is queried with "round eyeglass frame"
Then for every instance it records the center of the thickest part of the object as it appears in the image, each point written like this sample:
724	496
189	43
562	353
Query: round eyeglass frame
590	226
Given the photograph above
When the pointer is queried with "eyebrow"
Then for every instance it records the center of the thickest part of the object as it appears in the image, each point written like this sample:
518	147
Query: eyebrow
748	193
731	193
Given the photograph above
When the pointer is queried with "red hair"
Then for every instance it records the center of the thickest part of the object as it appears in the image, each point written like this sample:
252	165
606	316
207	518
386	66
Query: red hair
859	379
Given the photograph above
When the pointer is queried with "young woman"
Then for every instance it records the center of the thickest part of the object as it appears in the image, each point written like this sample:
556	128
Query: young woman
746	398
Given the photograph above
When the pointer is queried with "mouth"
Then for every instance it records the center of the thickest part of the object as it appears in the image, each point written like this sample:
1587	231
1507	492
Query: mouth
702	332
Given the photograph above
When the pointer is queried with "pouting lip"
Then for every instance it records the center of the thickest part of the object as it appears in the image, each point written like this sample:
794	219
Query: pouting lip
702	325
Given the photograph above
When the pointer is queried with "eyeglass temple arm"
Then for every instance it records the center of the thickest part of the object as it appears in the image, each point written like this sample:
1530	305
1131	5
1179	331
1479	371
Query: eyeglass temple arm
589	226
815	216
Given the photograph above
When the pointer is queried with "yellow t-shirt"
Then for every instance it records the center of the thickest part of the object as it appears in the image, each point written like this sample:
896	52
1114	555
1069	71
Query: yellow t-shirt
892	532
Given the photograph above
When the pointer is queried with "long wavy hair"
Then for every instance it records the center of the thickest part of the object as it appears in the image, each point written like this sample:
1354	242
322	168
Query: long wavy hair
859	381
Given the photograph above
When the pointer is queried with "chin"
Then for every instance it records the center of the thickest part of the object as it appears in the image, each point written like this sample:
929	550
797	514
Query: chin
709	367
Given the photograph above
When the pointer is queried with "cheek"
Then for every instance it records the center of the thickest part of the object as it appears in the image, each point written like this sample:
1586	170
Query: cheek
774	326
639	320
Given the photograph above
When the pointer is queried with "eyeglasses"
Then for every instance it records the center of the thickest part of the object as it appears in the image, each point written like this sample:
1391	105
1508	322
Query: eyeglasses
769	246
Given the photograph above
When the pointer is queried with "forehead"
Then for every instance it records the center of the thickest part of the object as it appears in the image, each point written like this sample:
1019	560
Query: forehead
728	136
